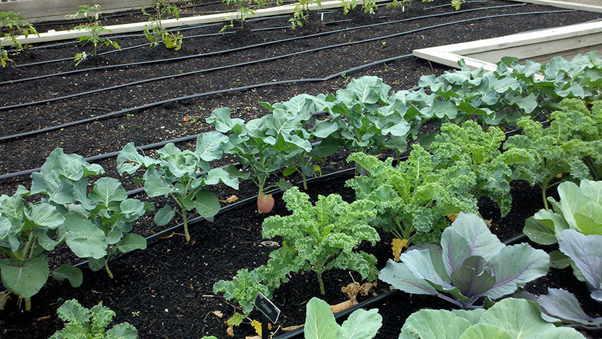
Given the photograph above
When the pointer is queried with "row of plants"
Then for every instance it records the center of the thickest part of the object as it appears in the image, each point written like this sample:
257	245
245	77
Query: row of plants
443	176
13	26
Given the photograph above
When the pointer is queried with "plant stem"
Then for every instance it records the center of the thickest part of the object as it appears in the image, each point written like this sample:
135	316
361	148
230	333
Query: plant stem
185	221
321	282
109	273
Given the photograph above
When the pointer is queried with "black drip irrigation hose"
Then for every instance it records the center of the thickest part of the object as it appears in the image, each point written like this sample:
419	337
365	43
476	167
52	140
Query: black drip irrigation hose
277	41
222	91
176	29
173	76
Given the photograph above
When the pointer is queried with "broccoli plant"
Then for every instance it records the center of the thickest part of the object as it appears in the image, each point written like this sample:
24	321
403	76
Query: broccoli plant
320	323
182	176
26	235
265	145
579	209
91	323
105	214
470	264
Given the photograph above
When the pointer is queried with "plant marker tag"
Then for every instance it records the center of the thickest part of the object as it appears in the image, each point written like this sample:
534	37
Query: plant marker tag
267	307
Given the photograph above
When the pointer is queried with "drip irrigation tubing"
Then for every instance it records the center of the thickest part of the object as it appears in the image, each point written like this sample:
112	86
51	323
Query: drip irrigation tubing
173	76
135	47
228	90
282	40
176	29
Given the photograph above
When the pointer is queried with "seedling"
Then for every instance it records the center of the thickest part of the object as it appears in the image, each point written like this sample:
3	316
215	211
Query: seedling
12	25
154	30
94	29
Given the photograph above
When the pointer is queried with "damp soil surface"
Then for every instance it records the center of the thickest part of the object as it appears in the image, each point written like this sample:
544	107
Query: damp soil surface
166	290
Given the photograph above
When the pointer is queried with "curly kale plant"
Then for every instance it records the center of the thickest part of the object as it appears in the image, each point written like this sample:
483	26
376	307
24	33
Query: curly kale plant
471	264
570	148
464	164
325	235
91	323
177	174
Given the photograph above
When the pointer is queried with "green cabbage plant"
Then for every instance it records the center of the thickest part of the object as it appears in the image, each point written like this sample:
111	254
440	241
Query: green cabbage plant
508	319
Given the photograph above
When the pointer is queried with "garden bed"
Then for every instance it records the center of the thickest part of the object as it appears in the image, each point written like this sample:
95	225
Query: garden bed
166	290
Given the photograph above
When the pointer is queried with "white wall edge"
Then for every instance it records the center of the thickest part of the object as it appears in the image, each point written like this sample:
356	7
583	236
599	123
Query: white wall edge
450	54
563	4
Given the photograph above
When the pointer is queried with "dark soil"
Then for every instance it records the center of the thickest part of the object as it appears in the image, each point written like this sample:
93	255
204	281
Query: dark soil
166	290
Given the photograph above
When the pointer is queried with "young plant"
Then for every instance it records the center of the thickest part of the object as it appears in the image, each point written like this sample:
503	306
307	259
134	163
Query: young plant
470	264
584	251
310	128
323	236
91	323
182	176
105	215
26	235
321	324
244	8
300	12
368	119
94	30
561	306
569	149
579	209
265	145
12	26
415	198
507	319
154	30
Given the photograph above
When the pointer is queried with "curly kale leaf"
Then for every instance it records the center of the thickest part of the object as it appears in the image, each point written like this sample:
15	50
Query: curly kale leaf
324	235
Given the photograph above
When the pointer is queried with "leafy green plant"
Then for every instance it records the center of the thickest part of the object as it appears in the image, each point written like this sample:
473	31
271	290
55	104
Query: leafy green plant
177	174
562	307
97	225
91	323
323	236
569	149
368	118
243	9
265	145
26	232
309	128
578	209
94	30
508	319
300	12
12	26
586	260
321	324
316	238
154	30
470	264
415	198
